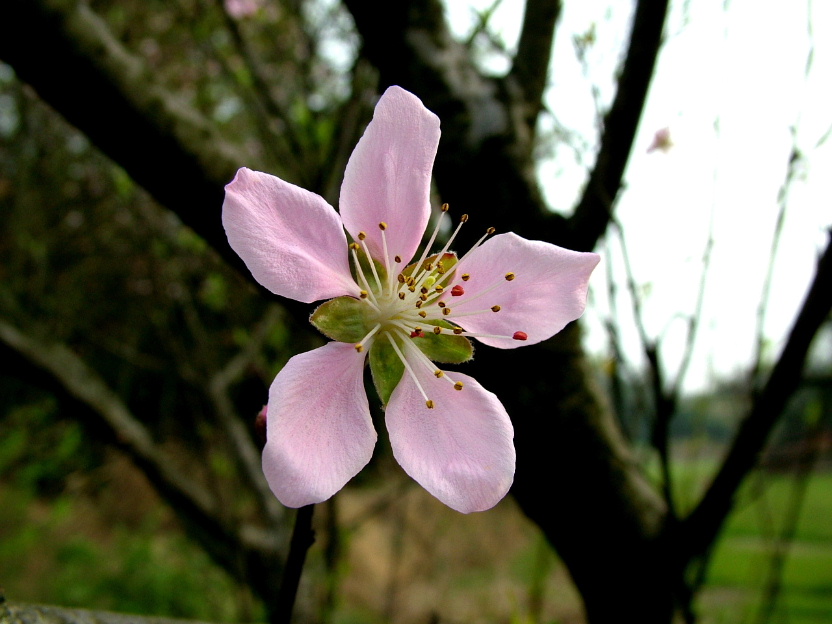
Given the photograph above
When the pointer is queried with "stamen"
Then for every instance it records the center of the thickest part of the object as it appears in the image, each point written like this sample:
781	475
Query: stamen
495	308
382	226
398	259
437	330
446	311
401	296
360	346
465	277
438	374
510	276
398	351
439	288
363	294
436	229
370	298
458	385
362	236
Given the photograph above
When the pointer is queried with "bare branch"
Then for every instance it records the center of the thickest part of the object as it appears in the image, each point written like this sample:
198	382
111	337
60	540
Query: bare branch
594	211
703	524
534	50
68	54
19	613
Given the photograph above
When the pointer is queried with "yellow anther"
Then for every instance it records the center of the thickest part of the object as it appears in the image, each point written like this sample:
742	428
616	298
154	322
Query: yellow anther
490	231
401	279
359	348
411	288
423	290
429	266
441	304
419	303
362	235
438	374
422	313
510	276
463	218
423	297
437	330
401	296
496	308
458	330
466	277
410	280
417	329
441	270
429	404
398	259
439	288
363	294
445	208
355	246
446	311
458	385
382	226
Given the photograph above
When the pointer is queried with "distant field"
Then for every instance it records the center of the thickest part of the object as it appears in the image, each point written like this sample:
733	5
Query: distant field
742	561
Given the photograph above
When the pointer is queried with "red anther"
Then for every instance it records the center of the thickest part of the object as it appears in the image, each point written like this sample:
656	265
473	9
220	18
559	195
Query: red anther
518	335
457	291
417	334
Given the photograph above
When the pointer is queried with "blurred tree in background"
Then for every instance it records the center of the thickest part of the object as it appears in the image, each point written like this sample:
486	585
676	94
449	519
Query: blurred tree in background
123	309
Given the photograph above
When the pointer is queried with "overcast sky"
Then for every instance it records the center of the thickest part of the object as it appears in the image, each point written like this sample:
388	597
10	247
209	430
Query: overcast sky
732	87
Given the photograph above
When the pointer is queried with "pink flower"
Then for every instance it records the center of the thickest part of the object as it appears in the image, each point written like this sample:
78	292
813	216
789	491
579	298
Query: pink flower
447	432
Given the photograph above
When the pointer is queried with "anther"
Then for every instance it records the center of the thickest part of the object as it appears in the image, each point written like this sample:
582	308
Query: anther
510	276
423	297
401	279
419	303
364	294
438	374
458	330
359	348
441	304
463	218
446	311
398	259
490	231
437	330
417	333
429	404
410	280
355	246
401	296
423	290
518	335
495	308
445	208
417	329
411	288
458	385
382	226
439	288
422	313
466	277
362	235
457	291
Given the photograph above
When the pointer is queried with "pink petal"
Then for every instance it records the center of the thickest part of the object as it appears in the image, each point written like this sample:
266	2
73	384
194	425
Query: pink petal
461	451
319	432
548	291
388	175
291	240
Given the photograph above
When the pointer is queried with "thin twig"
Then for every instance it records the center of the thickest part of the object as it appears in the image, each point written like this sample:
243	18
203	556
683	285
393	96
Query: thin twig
302	539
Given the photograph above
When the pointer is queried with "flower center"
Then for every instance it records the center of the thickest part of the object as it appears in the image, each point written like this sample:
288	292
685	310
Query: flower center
408	302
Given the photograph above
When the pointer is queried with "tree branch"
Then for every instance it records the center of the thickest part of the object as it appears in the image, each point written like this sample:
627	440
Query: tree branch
19	613
593	212
534	50
68	54
704	523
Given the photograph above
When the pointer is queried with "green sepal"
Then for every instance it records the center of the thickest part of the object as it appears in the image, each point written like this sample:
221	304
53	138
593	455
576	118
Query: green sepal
447	348
345	319
386	367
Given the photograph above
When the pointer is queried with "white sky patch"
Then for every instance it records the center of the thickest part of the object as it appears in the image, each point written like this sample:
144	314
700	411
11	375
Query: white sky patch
731	86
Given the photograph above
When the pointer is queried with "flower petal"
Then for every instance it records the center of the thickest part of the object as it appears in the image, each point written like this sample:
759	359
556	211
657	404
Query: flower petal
461	451
548	290
291	240
388	175
319	432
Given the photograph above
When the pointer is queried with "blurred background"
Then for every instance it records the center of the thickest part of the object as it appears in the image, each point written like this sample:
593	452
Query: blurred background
135	353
